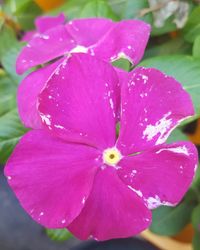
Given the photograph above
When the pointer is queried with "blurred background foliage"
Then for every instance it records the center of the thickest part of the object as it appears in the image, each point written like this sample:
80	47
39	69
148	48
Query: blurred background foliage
174	48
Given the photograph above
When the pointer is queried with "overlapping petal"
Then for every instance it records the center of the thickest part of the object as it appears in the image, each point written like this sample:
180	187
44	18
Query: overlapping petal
44	47
161	175
28	92
111	211
97	36
127	39
44	23
152	104
51	178
89	31
81	100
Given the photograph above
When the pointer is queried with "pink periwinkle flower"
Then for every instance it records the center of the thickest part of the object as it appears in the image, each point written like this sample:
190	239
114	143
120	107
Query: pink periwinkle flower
74	171
54	39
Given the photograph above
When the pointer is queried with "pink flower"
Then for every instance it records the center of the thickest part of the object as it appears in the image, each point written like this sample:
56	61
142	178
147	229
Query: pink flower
96	36
99	37
76	173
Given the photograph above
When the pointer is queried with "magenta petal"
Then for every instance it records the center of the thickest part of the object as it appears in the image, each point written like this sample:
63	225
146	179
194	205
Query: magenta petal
51	178
81	100
28	36
163	174
44	47
44	23
152	105
111	211
127	39
28	92
89	31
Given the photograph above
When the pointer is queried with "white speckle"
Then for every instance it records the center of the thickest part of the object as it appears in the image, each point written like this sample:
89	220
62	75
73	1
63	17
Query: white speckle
63	221
42	213
133	173
145	78
179	150
9	178
154	202
63	77
58	126
83	200
161	127
23	61
146	119
46	119
46	37
28	45
111	103
70	22
143	95
138	192
78	49
129	47
50	97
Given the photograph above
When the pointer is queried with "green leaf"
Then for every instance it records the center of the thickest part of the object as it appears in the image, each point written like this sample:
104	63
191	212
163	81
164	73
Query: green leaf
196	218
177	135
192	27
196	47
133	9
7	94
58	234
9	50
170	47
185	69
122	63
71	8
11	131
171	220
196	241
98	8
26	12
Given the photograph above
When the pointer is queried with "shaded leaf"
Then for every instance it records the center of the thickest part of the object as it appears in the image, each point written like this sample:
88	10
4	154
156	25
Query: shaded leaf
192	27
58	234
196	218
98	8
177	135
11	131
7	94
9	49
196	47
171	220
196	240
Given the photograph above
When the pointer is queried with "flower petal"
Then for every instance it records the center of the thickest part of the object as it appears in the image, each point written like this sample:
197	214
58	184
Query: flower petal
51	178
111	211
80	101
44	47
28	36
44	23
152	105
89	31
127	39
163	174
28	92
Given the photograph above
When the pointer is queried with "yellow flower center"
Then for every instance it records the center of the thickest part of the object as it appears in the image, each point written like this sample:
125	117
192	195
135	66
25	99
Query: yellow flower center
111	156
